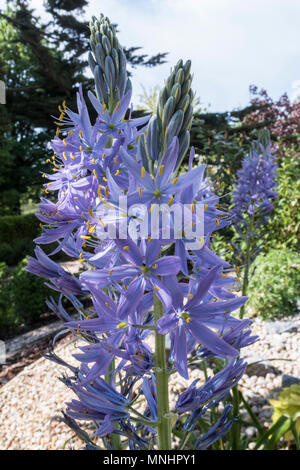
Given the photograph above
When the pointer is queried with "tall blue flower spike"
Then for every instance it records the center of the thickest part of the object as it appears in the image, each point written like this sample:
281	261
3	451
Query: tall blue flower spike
252	203
138	285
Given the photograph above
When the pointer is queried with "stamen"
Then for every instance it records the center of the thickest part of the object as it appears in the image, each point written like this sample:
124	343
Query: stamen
171	200
90	212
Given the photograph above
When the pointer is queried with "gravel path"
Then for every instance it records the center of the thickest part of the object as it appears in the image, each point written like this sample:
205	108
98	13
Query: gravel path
31	400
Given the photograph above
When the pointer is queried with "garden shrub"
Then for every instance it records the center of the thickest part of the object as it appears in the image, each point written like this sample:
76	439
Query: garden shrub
16	235
274	288
7	318
284	225
16	238
22	297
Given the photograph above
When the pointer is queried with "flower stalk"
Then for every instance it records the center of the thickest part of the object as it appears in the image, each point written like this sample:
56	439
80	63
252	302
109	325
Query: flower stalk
162	383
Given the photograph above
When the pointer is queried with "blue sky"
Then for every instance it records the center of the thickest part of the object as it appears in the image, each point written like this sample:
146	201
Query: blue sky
232	43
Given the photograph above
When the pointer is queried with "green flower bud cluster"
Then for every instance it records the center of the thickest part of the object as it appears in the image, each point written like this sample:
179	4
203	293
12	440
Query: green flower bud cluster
173	117
107	62
175	108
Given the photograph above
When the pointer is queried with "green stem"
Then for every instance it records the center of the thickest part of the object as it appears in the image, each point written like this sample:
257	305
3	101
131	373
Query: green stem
236	427
162	385
246	276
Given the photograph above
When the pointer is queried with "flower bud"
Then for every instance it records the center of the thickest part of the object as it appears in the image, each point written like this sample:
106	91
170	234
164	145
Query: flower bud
108	63
175	110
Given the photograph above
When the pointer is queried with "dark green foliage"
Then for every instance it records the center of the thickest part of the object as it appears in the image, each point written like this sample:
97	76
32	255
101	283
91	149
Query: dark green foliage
16	237
17	233
284	225
22	298
222	141
274	288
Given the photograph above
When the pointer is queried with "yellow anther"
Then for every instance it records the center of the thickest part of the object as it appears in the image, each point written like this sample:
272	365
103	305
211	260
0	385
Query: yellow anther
72	156
175	181
160	170
205	207
107	304
115	160
61	116
104	179
81	148
155	266
106	191
95	173
64	105
201	243
193	208
126	247
99	192
190	296
217	222
81	135
110	271
122	325
171	200
64	142
90	212
117	172
81	260
156	288
93	161
70	132
92	229
85	237
152	207
143	172
140	192
64	155
237	270
100	221
103	155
